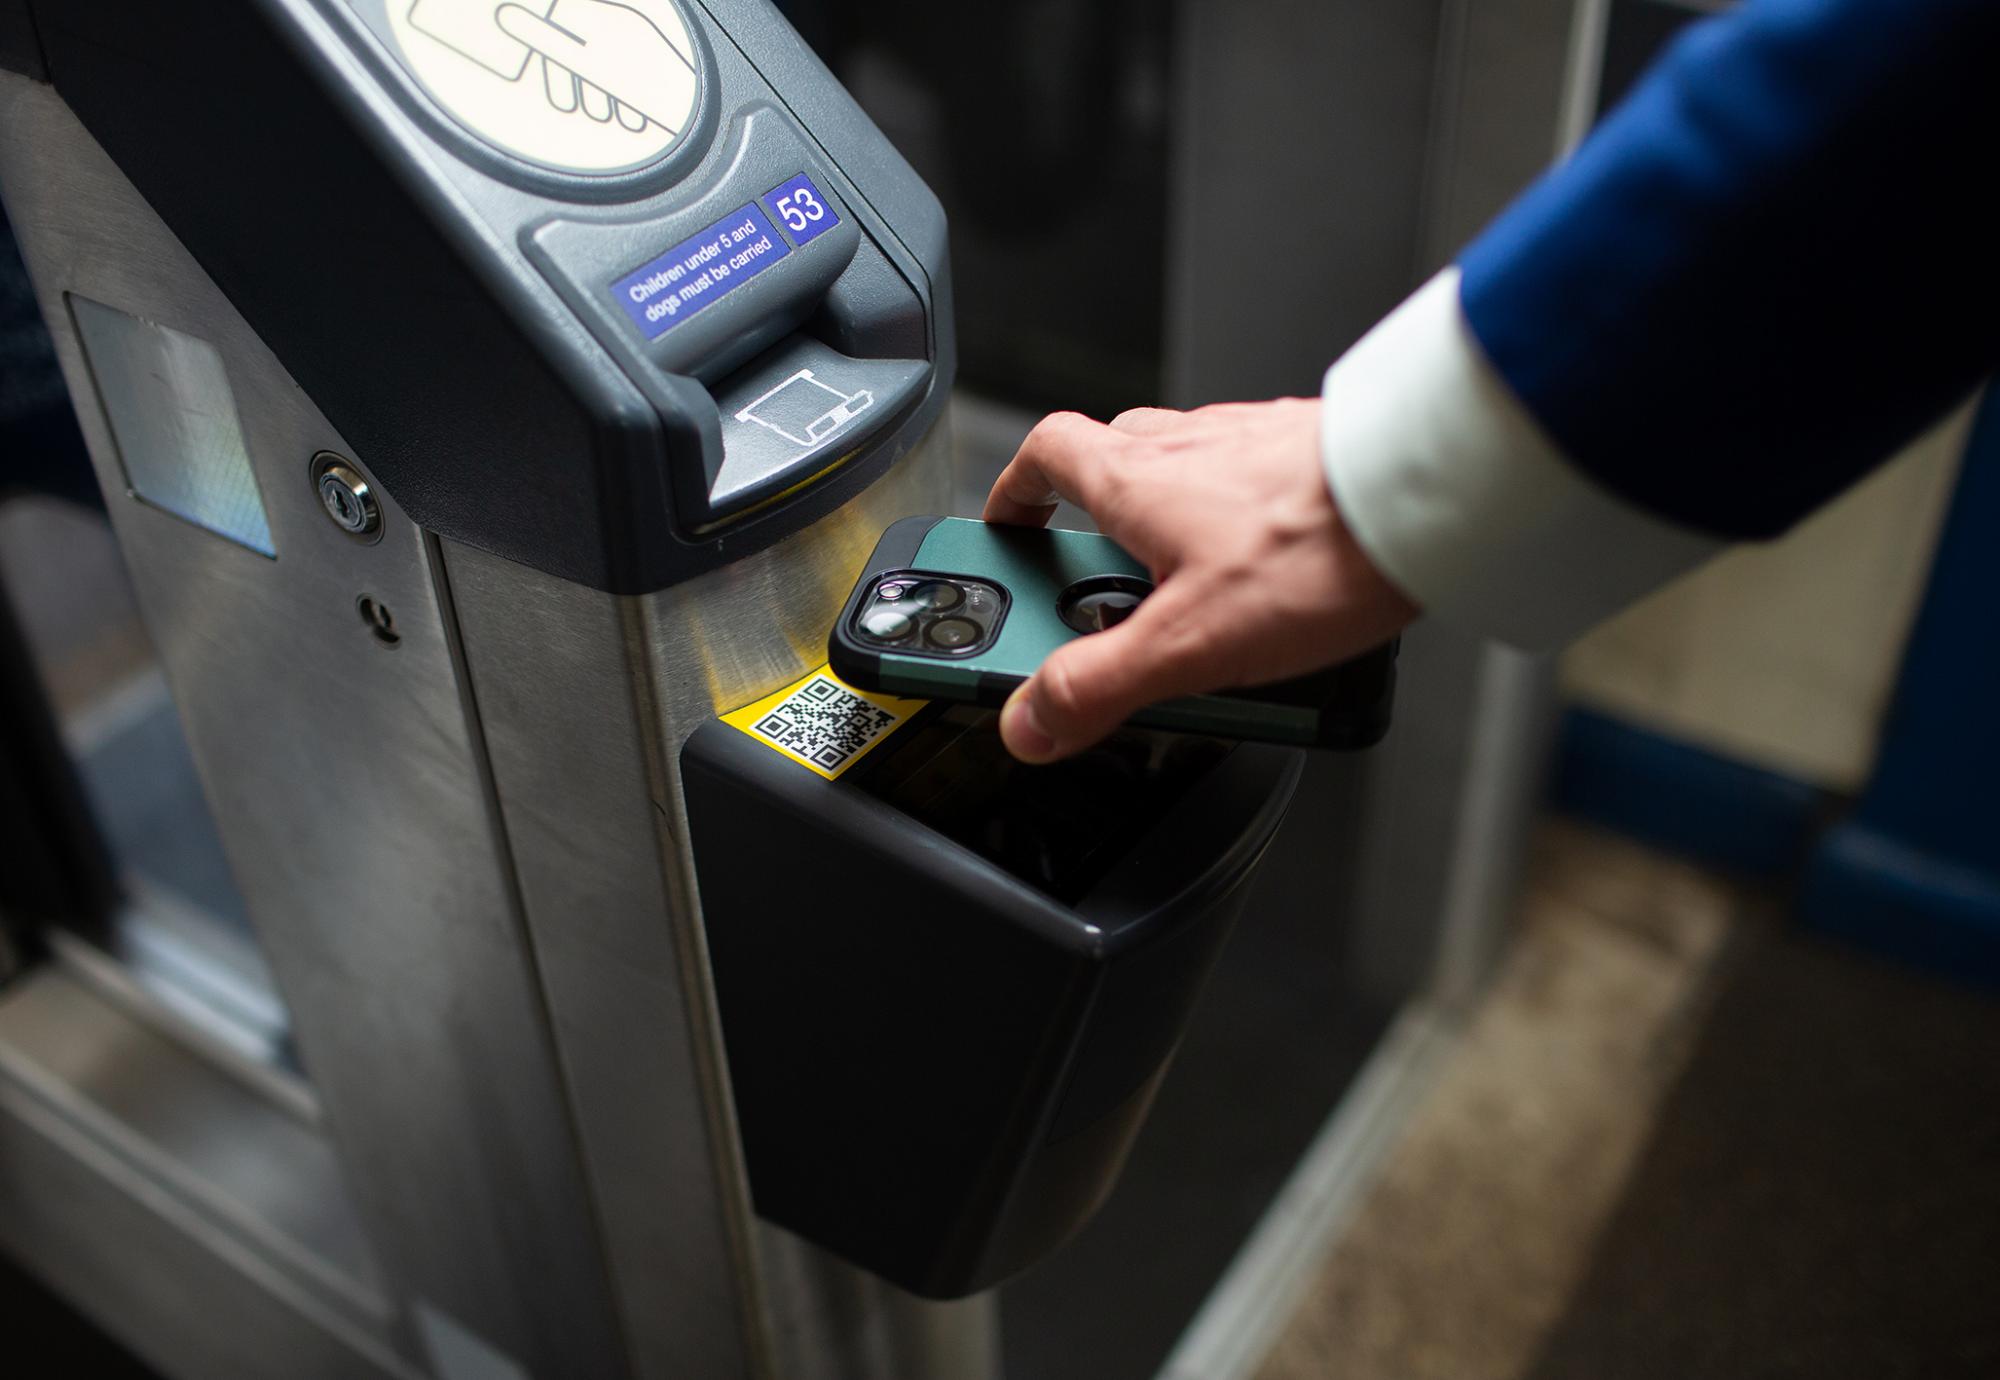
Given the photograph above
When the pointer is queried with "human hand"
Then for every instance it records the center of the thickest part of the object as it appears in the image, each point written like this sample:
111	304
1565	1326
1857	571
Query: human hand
1256	577
607	58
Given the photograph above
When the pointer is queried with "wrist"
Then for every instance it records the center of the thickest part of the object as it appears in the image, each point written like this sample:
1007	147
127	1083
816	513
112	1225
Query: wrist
1460	501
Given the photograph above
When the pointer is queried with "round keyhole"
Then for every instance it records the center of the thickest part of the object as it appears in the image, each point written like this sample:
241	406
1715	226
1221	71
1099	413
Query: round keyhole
340	502
347	497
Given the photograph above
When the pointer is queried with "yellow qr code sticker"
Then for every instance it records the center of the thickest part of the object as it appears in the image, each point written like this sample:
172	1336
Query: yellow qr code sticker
823	723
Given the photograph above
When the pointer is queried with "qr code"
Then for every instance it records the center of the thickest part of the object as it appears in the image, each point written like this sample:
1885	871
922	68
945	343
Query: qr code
826	723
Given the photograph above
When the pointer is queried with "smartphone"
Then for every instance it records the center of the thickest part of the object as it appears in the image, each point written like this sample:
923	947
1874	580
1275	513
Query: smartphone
958	610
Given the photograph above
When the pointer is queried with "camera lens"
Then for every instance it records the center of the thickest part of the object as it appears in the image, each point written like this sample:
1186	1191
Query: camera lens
1100	611
937	596
953	634
887	625
1102	601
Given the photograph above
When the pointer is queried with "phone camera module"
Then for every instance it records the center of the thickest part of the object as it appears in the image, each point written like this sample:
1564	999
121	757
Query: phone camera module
925	614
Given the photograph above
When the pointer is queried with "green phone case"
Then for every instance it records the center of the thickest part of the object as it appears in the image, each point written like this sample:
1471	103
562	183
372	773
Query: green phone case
1345	707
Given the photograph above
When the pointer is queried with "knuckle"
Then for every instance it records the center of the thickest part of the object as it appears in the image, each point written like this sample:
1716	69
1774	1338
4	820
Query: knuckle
1060	423
1141	421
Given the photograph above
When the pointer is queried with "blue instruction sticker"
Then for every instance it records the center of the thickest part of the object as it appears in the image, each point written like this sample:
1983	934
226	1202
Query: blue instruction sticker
801	209
699	270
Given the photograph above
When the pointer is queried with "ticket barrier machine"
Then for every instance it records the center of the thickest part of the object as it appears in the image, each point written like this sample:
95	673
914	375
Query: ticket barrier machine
487	396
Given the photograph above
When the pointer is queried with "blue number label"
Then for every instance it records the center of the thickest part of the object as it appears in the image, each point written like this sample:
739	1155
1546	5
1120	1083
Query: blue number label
802	209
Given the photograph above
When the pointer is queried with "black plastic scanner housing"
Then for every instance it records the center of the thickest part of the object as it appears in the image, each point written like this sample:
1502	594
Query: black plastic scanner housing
450	305
950	984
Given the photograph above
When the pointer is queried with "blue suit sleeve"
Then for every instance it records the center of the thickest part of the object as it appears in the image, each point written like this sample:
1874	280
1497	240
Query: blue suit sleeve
1774	263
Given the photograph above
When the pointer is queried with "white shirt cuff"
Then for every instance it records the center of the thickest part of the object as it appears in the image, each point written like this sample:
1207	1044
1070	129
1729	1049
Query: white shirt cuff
1455	493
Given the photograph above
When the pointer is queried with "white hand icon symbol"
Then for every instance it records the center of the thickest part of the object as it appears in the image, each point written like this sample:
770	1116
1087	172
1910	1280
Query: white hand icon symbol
609	60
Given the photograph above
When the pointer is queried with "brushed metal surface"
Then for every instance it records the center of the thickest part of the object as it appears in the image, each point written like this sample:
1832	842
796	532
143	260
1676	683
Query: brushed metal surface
835	1322
346	783
569	737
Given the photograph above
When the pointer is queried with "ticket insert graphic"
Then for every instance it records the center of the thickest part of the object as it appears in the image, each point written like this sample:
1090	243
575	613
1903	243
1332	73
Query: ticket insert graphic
806	411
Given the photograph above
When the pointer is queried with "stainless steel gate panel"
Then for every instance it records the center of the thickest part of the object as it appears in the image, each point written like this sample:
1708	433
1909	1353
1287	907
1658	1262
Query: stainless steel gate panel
348	781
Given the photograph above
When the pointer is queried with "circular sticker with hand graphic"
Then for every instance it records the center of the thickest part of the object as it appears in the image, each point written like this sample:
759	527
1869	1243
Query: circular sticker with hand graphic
583	86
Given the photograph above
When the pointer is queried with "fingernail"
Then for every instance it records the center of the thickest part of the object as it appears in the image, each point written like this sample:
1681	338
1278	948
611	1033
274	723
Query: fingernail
1022	731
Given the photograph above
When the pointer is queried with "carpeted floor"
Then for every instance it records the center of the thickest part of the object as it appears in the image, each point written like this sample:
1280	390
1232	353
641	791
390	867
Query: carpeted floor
1680	1141
1821	1196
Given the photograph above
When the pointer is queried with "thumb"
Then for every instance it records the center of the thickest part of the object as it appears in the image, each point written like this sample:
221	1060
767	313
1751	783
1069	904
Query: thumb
550	40
1086	688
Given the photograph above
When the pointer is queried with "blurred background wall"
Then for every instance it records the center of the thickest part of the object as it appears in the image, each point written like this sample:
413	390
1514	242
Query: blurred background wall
1786	655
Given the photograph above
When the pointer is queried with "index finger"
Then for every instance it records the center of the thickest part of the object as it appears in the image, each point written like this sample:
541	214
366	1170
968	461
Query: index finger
1064	457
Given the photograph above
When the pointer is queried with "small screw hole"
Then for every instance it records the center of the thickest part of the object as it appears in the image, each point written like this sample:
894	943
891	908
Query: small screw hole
380	621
